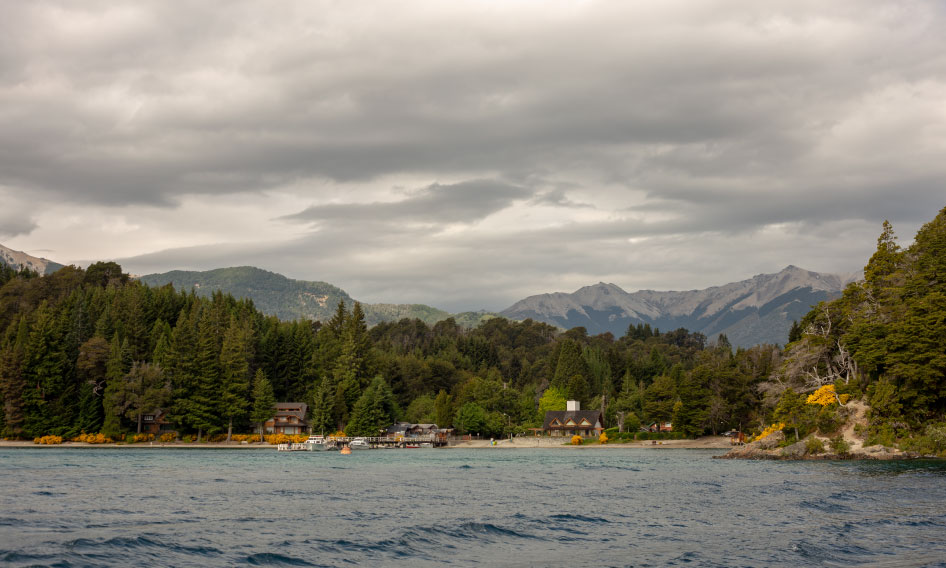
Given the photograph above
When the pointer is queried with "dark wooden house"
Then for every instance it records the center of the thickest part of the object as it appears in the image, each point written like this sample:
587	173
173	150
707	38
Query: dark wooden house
573	421
289	419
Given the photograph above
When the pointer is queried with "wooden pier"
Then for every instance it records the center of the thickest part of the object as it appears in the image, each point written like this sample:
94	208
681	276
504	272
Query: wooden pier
375	442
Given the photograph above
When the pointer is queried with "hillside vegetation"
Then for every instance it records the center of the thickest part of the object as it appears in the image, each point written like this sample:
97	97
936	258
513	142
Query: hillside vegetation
288	299
882	342
92	350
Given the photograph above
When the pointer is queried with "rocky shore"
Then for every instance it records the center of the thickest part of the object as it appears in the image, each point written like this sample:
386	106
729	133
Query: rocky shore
772	447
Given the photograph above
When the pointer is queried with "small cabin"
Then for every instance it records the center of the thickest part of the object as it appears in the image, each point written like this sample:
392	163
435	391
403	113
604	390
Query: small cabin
660	427
156	423
573	421
289	419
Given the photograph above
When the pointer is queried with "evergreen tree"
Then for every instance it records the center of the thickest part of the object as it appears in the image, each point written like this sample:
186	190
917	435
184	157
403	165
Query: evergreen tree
659	399
235	372
373	411
323	408
12	381
264	402
50	399
570	363
443	409
144	389
115	371
791	410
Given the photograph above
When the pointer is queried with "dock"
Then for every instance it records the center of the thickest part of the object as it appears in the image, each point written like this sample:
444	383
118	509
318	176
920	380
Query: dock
375	442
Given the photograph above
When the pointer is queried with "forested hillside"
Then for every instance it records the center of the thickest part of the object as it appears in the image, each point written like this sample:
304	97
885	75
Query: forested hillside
883	341
289	299
92	350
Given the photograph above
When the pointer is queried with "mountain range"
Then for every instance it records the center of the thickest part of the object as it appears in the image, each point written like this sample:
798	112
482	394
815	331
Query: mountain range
18	259
289	299
758	310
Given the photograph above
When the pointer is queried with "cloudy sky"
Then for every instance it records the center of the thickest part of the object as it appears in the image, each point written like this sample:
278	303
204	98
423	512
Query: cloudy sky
468	154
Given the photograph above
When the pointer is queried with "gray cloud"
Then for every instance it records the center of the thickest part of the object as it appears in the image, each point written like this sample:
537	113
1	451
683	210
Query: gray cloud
463	202
575	128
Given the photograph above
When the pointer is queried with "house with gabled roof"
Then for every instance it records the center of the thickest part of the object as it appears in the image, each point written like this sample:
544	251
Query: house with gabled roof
289	419
573	421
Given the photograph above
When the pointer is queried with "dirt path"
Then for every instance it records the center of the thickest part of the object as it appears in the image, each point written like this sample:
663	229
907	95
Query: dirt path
858	416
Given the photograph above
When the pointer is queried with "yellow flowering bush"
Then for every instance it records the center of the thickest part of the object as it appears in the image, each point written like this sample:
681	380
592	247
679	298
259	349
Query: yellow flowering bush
769	431
138	438
603	438
826	396
244	438
50	440
99	438
576	440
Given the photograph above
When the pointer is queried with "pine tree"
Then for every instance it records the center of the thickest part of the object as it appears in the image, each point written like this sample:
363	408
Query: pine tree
323	408
264	402
235	372
12	381
570	363
47	402
374	410
143	389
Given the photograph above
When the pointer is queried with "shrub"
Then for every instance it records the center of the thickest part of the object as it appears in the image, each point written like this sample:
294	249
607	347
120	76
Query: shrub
883	434
839	446
99	438
576	440
187	439
49	440
603	438
931	443
814	446
139	438
828	420
245	438
276	439
168	437
771	429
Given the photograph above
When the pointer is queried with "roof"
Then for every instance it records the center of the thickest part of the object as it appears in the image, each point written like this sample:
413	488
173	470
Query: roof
297	409
563	416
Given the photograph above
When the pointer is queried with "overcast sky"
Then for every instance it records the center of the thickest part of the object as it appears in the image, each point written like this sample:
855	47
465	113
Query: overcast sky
468	154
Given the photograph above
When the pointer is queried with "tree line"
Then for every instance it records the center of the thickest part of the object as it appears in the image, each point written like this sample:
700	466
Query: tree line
94	350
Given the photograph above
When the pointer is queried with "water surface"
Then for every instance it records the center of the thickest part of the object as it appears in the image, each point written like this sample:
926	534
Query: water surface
498	507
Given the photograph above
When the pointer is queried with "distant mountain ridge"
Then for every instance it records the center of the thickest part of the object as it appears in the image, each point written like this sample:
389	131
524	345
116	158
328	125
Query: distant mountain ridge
289	299
18	259
757	310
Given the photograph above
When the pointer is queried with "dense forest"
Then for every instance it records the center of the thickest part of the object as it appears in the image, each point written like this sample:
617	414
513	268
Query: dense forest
93	350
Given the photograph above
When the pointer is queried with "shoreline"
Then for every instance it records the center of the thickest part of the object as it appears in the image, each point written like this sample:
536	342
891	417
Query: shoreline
522	443
703	442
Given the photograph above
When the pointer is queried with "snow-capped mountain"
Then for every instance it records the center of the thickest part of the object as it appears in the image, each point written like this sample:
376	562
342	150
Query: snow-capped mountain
758	310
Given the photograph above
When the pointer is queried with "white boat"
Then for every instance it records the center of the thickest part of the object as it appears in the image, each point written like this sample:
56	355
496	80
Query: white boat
320	444
359	444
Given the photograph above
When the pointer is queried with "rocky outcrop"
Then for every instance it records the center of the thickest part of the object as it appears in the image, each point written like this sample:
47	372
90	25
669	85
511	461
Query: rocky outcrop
771	447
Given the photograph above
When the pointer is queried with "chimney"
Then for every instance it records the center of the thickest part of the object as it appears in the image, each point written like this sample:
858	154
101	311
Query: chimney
573	405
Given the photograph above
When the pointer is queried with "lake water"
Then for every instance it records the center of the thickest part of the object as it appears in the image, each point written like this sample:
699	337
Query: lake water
496	507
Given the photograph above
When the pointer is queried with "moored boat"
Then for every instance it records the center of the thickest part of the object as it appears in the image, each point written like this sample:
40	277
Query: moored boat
320	443
359	444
